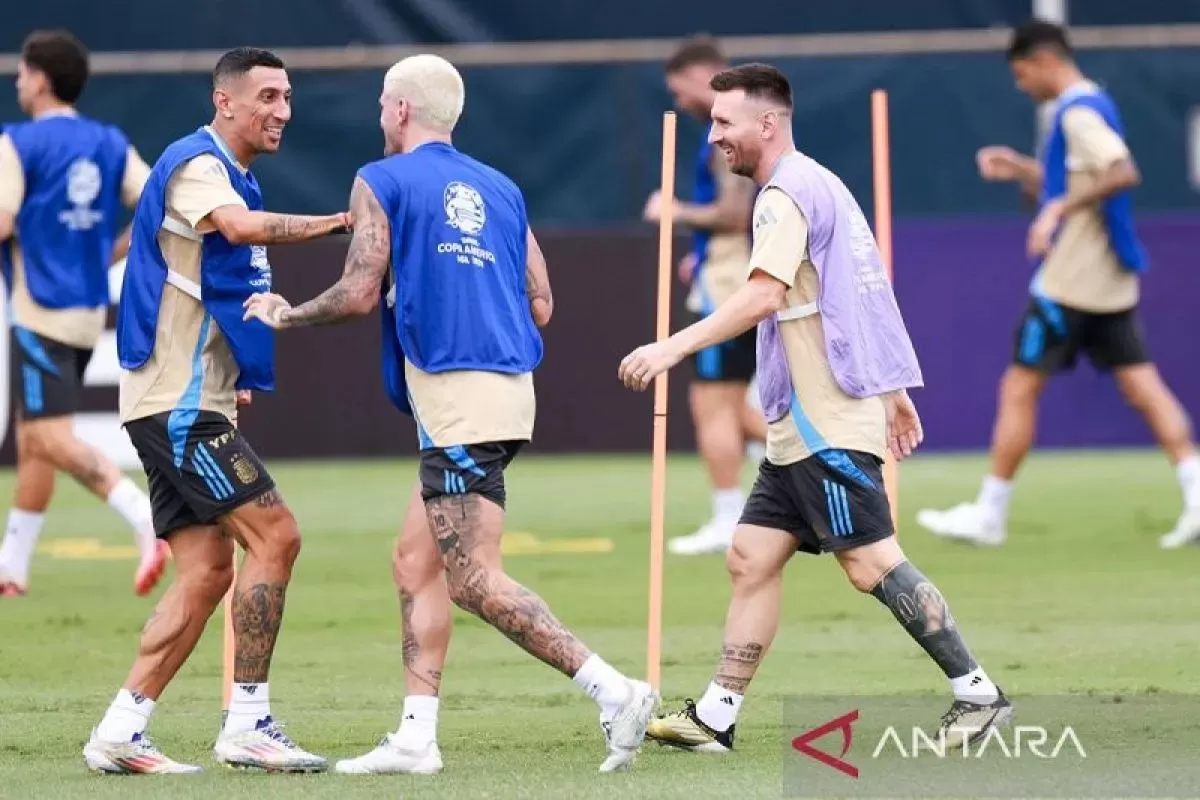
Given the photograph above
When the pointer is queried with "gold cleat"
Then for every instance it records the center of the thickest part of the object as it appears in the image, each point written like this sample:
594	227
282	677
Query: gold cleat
684	729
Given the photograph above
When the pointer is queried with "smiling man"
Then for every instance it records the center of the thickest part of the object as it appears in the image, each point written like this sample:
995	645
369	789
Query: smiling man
188	359
834	363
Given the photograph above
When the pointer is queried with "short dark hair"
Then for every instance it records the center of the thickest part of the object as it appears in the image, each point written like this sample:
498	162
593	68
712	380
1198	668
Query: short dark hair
758	80
1035	35
698	49
62	58
240	60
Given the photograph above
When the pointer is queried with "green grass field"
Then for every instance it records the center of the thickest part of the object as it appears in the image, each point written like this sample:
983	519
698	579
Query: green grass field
1080	601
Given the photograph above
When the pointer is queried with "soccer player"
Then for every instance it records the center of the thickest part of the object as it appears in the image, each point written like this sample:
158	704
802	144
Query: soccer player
834	362
188	359
720	218
1084	294
63	180
443	241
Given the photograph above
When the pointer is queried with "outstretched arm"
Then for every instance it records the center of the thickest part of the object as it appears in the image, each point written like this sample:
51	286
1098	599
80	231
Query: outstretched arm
242	226
357	291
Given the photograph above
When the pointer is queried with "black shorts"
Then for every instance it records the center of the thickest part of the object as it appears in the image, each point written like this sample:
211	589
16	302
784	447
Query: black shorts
467	469
197	470
832	501
1051	337
729	362
49	376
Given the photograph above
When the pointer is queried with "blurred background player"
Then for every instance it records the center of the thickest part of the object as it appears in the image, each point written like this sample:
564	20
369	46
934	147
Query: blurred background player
815	286
63	180
728	424
445	237
1084	295
195	256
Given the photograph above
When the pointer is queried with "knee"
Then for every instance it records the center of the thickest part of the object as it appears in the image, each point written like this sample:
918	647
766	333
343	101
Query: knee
1139	392
35	442
207	584
468	587
1019	387
282	546
414	569
865	566
748	570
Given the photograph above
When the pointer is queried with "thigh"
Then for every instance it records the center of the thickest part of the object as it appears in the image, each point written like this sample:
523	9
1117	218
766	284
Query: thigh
1115	340
772	504
467	469
49	381
1048	337
842	498
199	470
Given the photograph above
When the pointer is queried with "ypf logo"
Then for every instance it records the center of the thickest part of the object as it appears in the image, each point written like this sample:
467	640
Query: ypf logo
83	187
844	723
464	208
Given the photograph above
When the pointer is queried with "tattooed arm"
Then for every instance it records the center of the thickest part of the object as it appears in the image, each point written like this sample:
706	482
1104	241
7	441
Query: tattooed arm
357	291
242	226
537	282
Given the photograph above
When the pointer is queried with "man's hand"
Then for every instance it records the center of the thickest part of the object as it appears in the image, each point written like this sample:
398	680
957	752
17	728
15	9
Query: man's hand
244	397
904	426
268	308
687	265
641	366
1041	232
653	210
999	163
347	223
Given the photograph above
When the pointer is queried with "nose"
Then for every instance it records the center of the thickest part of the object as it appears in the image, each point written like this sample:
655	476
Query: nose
284	111
713	137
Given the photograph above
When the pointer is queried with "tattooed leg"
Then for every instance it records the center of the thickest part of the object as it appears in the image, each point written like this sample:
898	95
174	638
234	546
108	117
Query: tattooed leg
203	572
425	610
467	528
268	531
755	564
923	612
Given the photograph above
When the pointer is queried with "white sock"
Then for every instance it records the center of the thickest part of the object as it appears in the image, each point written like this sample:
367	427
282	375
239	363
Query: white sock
719	707
1188	472
418	722
975	686
127	716
727	504
993	497
248	703
609	688
134	507
20	540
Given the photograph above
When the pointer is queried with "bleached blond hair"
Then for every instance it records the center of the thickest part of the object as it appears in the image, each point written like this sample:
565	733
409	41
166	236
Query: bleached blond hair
432	86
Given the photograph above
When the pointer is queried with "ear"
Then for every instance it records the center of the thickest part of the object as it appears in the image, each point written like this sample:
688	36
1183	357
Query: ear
223	103
403	110
768	123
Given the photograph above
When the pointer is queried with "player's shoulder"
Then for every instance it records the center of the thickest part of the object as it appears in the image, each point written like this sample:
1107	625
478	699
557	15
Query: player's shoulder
204	167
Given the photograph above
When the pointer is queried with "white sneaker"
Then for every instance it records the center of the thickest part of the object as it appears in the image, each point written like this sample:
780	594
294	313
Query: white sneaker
626	730
138	756
967	522
266	747
714	537
391	758
1187	531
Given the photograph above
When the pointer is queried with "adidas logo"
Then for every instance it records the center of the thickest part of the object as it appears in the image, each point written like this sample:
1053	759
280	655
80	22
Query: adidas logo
138	697
976	680
411	716
727	700
248	688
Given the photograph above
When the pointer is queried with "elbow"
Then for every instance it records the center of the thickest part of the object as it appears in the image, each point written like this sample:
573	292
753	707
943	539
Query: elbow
771	299
236	233
362	304
542	310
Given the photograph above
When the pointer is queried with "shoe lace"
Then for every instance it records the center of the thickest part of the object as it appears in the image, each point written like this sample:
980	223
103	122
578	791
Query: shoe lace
144	744
956	711
687	712
274	730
